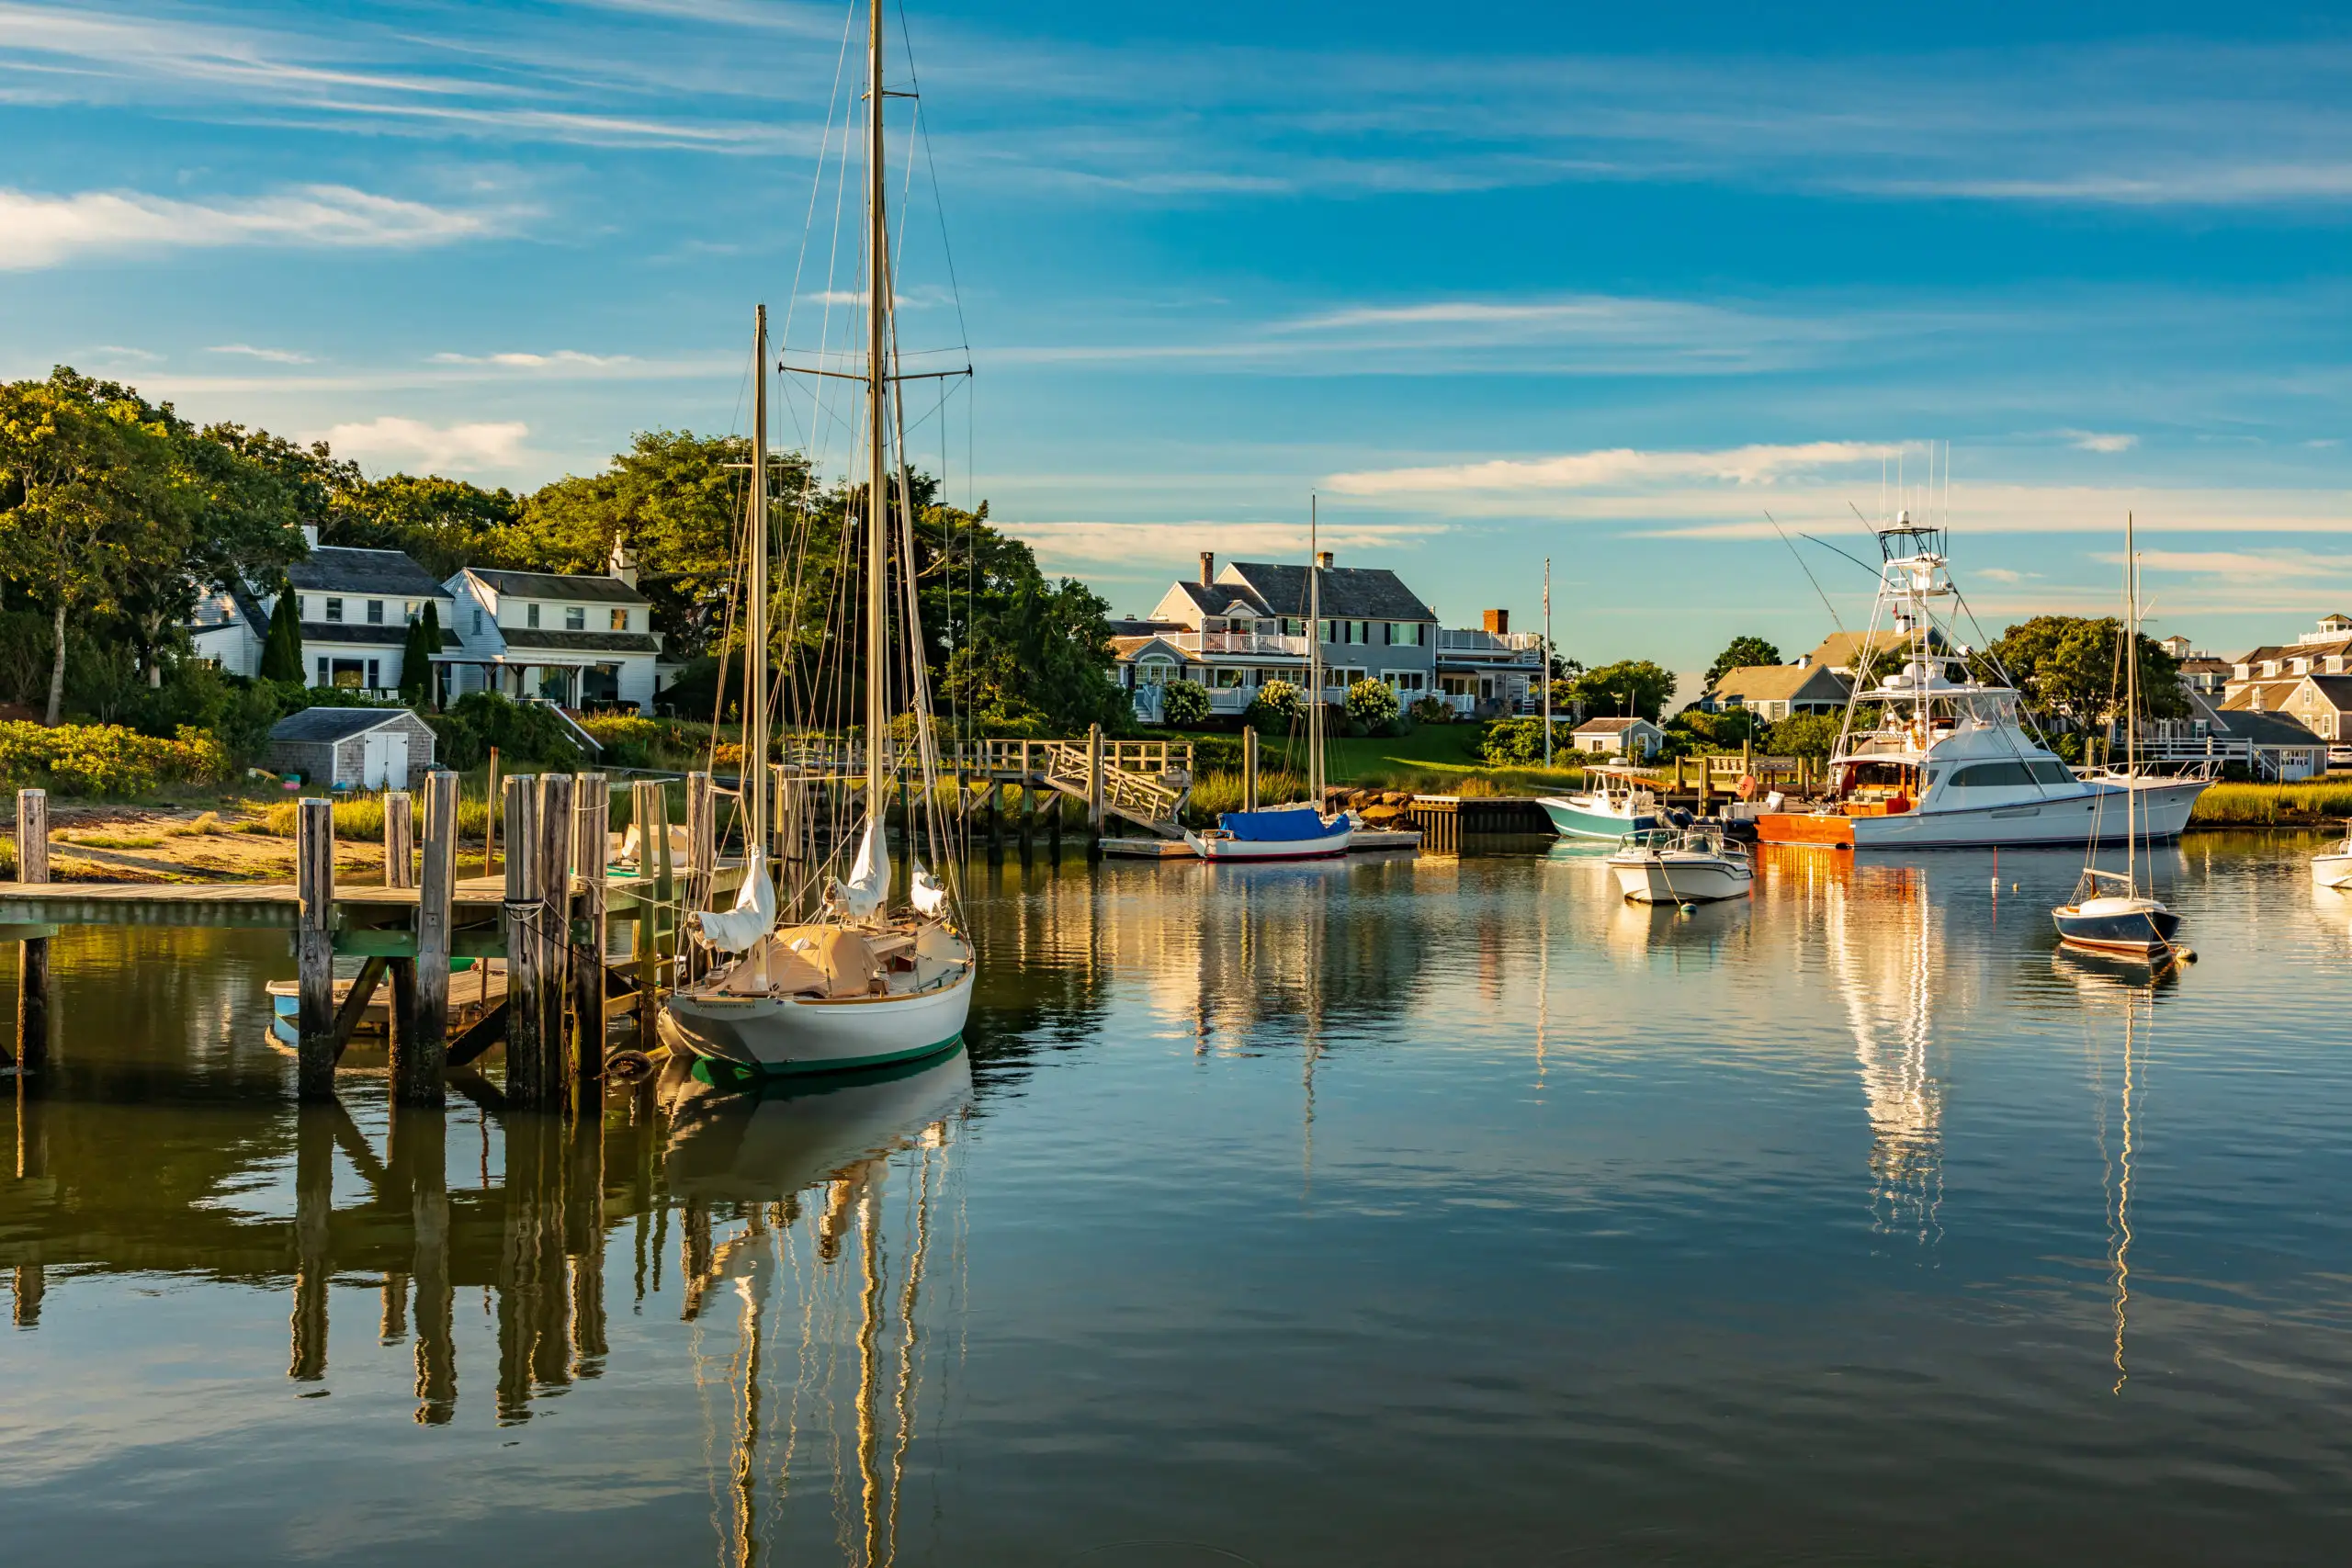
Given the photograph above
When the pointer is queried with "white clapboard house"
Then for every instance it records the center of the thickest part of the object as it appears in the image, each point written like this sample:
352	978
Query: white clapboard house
581	641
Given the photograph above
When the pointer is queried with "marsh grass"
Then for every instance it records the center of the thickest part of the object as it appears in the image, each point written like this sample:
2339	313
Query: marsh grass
2260	805
114	841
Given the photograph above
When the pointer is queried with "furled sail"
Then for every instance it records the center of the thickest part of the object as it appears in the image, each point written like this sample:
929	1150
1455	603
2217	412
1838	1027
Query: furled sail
924	891
869	879
753	915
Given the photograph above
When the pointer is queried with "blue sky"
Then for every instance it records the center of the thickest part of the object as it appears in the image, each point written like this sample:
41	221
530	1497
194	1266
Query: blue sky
1600	284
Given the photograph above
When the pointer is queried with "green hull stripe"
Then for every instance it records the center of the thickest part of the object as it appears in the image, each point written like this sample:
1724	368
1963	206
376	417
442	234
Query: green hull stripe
741	1070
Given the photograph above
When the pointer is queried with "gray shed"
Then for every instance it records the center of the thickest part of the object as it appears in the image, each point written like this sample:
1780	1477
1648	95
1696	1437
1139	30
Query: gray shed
353	748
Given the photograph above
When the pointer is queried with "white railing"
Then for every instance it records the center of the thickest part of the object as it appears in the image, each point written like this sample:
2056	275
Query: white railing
1491	642
1241	642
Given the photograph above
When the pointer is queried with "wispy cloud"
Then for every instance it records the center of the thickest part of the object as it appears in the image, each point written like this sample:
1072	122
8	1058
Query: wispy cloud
1138	546
1617	467
390	442
560	358
273	355
2094	441
46	231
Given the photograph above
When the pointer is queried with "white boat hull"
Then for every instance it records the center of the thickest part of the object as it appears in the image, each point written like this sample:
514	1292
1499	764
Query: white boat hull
1221	849
1673	879
785	1035
2161	809
2332	870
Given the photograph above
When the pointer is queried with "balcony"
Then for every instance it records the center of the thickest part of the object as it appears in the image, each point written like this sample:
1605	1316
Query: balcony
1241	642
1492	648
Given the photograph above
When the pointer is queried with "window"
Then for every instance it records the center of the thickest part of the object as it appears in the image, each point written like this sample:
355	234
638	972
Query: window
409	611
375	612
374	684
531	615
1404	681
334	609
575	618
1406	634
322	672
2011	775
477	620
1293	626
1228	679
620	620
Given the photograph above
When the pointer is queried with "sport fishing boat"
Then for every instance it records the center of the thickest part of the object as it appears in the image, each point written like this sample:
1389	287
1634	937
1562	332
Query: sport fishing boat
1935	757
856	978
2332	868
2110	913
1619	801
1681	865
1298	830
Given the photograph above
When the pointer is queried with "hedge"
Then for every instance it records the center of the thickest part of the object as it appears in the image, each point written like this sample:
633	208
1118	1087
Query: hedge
107	758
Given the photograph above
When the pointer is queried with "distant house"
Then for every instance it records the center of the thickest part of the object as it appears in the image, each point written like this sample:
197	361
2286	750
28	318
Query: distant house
1638	739
353	748
580	640
354	606
1491	669
2272	745
1235	631
1775	692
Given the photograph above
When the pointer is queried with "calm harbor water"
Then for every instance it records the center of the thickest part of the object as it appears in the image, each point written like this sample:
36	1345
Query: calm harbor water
1407	1211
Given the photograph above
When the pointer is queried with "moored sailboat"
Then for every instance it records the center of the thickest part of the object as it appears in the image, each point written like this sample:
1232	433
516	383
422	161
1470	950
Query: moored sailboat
865	978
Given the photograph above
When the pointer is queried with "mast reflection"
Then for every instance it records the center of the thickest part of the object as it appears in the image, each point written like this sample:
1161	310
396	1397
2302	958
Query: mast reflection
1885	946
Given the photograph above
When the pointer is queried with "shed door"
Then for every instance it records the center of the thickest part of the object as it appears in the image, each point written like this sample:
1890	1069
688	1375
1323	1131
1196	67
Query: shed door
371	762
395	759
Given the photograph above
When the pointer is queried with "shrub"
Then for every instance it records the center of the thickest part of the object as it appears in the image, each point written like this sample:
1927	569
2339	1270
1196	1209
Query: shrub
1811	735
1432	709
1518	742
1278	705
524	733
107	758
1372	704
1183	703
1221	792
629	741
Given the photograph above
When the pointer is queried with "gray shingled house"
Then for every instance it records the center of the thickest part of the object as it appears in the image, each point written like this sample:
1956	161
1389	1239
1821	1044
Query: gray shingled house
353	748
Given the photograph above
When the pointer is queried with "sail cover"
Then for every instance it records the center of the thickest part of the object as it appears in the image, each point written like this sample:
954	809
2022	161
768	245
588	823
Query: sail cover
753	915
929	897
869	879
1283	826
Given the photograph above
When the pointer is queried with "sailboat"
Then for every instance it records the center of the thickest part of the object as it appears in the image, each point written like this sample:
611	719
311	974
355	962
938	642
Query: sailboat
1299	831
2108	913
862	980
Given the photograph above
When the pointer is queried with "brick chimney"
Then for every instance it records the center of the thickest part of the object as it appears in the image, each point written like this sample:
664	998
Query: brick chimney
1323	559
1208	568
1498	622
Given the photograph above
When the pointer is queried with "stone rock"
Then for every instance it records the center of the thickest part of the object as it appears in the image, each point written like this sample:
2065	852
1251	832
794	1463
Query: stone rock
1383	815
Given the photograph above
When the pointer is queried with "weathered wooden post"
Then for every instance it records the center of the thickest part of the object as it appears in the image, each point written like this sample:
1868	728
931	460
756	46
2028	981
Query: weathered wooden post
417	1141
1094	792
702	861
314	949
1249	767
313	1230
491	805
1053	826
649	808
593	810
32	953
524	1022
421	1032
399	871
552	850
1028	804
996	815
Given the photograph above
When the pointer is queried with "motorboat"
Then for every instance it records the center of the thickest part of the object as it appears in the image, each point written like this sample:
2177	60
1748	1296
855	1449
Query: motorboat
1937	755
1298	831
1619	801
1681	865
2332	868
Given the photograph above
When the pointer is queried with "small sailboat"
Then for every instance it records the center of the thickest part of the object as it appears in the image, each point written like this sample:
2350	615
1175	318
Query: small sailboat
1299	831
2108	913
1619	801
861	981
1681	865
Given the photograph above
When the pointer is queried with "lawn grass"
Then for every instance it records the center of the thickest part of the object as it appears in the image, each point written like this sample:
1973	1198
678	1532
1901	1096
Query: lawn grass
1433	759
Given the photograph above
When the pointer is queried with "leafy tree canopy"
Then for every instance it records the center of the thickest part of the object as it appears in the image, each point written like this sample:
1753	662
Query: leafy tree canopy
2069	670
1630	686
1742	652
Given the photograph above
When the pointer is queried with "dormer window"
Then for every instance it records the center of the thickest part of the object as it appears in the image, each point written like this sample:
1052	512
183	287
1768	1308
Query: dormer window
531	615
2300	666
575	618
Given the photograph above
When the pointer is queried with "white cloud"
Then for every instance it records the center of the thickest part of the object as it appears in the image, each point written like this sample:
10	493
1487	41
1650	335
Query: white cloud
2260	566
2003	574
391	442
1138	546
2095	441
1617	467
560	358
273	355
46	231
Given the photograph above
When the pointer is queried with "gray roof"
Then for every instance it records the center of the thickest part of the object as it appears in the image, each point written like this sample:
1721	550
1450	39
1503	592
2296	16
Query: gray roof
1610	726
1348	593
334	724
579	642
391	634
557	586
1214	598
2268	728
339	568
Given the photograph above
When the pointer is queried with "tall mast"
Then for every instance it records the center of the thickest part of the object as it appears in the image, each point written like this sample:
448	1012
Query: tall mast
1547	661
2130	706
1314	657
877	284
755	665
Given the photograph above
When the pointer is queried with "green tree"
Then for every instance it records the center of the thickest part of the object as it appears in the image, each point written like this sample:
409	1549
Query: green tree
1741	652
444	524
416	661
1630	686
281	649
2069	672
1811	735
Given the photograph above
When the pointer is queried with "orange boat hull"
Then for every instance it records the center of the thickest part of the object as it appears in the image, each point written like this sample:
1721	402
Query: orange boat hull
1790	828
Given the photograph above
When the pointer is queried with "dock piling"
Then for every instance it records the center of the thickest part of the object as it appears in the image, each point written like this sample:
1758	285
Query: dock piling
552	849
1249	767
314	950
421	1039
32	953
526	1023
1094	792
399	871
649	808
591	814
